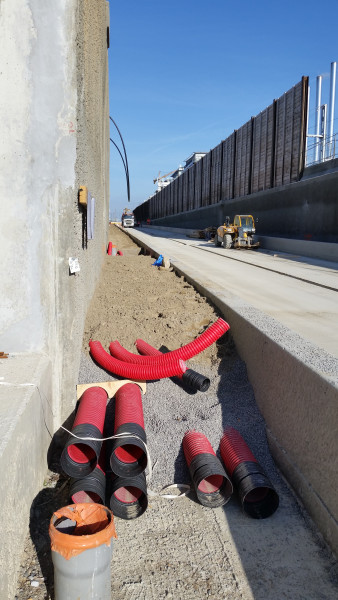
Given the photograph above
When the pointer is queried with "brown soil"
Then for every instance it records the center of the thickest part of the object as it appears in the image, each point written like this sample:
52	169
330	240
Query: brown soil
135	299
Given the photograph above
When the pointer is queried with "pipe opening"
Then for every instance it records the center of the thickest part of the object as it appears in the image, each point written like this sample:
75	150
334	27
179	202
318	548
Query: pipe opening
81	453
83	497
211	484
129	453
128	494
260	503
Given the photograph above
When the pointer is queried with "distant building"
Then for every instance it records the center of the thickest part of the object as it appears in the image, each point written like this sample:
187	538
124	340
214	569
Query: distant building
194	158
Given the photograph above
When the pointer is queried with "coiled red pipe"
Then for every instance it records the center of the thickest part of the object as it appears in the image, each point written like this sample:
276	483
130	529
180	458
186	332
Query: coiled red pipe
234	450
144	348
135	371
123	354
208	337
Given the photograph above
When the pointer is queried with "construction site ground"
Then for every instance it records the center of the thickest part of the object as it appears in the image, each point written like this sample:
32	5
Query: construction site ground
179	549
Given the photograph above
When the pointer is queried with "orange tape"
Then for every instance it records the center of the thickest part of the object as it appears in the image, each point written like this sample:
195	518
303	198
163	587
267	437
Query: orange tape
94	527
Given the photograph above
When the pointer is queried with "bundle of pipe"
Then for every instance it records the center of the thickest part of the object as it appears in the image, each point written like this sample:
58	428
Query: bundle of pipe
128	496
80	457
206	339
128	455
135	371
212	485
258	497
191	378
91	488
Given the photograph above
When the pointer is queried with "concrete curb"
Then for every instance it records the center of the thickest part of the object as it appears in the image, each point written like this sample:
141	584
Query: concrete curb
296	389
26	427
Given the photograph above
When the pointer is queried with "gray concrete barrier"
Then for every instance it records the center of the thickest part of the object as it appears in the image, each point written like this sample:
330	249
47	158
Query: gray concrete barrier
296	390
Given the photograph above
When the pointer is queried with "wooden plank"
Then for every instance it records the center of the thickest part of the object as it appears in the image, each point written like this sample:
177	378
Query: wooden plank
111	387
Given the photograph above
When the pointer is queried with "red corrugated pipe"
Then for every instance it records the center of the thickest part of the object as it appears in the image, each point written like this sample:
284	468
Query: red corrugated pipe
128	456
190	378
258	497
213	488
234	450
208	337
134	371
79	458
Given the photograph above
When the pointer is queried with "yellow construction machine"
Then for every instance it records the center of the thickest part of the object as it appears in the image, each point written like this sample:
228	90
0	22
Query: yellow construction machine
239	234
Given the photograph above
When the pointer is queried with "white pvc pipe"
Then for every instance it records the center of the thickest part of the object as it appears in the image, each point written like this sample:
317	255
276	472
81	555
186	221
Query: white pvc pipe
318	104
331	106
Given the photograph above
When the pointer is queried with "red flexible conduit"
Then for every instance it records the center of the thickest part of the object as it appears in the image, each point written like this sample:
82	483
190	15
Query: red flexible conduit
195	443
135	371
234	450
128	409
122	354
144	348
92	409
208	337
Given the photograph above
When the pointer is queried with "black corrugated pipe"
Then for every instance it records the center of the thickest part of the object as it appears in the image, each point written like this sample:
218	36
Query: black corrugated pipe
191	378
128	496
212	485
258	497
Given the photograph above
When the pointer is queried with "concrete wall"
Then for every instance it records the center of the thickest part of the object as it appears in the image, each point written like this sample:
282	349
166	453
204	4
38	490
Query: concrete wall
305	210
54	137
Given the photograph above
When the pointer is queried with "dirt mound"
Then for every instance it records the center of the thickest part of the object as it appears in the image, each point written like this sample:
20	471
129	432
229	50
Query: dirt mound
146	302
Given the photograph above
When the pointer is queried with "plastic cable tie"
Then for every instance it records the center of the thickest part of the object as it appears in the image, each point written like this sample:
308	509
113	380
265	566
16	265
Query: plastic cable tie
178	486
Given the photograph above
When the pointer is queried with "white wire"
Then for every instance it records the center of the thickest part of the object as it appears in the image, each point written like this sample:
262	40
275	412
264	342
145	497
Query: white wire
126	434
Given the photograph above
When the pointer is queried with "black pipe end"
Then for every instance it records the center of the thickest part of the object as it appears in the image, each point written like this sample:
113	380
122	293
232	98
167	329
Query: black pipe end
70	466
124	469
258	496
207	471
195	380
94	483
128	510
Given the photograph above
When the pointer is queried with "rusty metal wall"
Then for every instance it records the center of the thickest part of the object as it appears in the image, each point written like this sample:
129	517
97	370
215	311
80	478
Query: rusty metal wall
191	188
216	174
290	134
228	167
206	173
263	150
243	157
266	152
185	187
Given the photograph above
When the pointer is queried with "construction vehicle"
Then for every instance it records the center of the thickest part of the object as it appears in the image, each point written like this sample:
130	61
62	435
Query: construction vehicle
239	234
127	219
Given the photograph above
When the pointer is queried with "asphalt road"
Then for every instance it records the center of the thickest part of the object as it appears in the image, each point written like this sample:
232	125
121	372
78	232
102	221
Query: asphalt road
299	292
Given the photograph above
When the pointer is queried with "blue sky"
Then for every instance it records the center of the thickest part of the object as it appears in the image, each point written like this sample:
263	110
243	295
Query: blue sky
184	75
